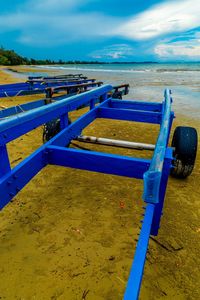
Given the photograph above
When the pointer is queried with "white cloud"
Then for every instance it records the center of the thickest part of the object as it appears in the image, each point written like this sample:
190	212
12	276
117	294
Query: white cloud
51	22
56	22
165	18
115	51
181	50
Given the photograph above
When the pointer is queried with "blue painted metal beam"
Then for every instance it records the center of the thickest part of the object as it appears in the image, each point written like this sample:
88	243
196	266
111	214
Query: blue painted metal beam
136	105
36	83
4	161
137	269
13	85
73	130
10	111
4	113
35	87
98	162
130	115
14	180
58	76
152	177
15	126
162	190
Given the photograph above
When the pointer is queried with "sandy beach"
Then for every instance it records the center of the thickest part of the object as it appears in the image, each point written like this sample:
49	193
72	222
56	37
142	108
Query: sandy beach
66	235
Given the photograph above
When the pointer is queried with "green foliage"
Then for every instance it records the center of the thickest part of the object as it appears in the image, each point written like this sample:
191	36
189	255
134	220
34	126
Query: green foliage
4	60
10	57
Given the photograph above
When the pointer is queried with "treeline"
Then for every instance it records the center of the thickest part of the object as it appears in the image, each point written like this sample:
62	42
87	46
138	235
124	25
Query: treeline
11	58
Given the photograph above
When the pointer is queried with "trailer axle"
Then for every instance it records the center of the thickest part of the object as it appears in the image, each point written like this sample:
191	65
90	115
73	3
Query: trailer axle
115	143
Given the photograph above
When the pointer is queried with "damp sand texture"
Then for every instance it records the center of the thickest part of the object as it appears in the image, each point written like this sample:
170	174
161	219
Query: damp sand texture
66	235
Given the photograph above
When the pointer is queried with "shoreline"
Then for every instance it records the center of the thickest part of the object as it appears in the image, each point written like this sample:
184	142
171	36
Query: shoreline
148	87
99	69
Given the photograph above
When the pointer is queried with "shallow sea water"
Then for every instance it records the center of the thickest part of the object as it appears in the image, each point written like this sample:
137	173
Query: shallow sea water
148	81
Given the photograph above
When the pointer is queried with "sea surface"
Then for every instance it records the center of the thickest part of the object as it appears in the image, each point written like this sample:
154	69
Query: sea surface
133	67
148	81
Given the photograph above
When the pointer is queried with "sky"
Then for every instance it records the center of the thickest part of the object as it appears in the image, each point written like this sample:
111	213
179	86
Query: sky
103	30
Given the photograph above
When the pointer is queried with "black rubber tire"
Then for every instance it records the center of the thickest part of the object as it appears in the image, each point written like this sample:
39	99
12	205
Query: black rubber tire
51	129
185	141
117	95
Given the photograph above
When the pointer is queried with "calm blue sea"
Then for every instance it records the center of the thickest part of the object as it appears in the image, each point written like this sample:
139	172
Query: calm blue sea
131	68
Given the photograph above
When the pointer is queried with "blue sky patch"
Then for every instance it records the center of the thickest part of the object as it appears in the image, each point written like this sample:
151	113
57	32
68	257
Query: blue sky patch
104	30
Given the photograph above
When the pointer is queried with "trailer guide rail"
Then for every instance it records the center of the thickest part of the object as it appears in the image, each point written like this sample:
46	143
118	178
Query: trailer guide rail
155	172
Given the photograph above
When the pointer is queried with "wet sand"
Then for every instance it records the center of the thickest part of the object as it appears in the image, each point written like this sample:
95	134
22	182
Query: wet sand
71	234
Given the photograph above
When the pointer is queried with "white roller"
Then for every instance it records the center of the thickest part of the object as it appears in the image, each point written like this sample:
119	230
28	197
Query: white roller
115	143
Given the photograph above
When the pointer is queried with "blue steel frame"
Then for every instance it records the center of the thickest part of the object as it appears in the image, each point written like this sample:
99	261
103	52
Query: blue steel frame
71	90
36	86
155	171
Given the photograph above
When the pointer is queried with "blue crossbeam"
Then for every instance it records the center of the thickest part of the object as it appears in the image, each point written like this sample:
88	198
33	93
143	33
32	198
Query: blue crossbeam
98	162
13	85
130	115
38	86
136	105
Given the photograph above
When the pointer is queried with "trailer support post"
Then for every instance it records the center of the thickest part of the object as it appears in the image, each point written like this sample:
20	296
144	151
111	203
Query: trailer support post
64	121
163	185
5	166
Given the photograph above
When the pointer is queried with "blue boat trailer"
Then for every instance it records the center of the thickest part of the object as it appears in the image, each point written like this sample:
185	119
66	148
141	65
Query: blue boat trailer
154	172
37	86
51	96
64	76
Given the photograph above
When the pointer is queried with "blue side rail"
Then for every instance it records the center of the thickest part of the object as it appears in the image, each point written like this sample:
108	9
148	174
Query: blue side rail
153	171
69	90
72	76
36	86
